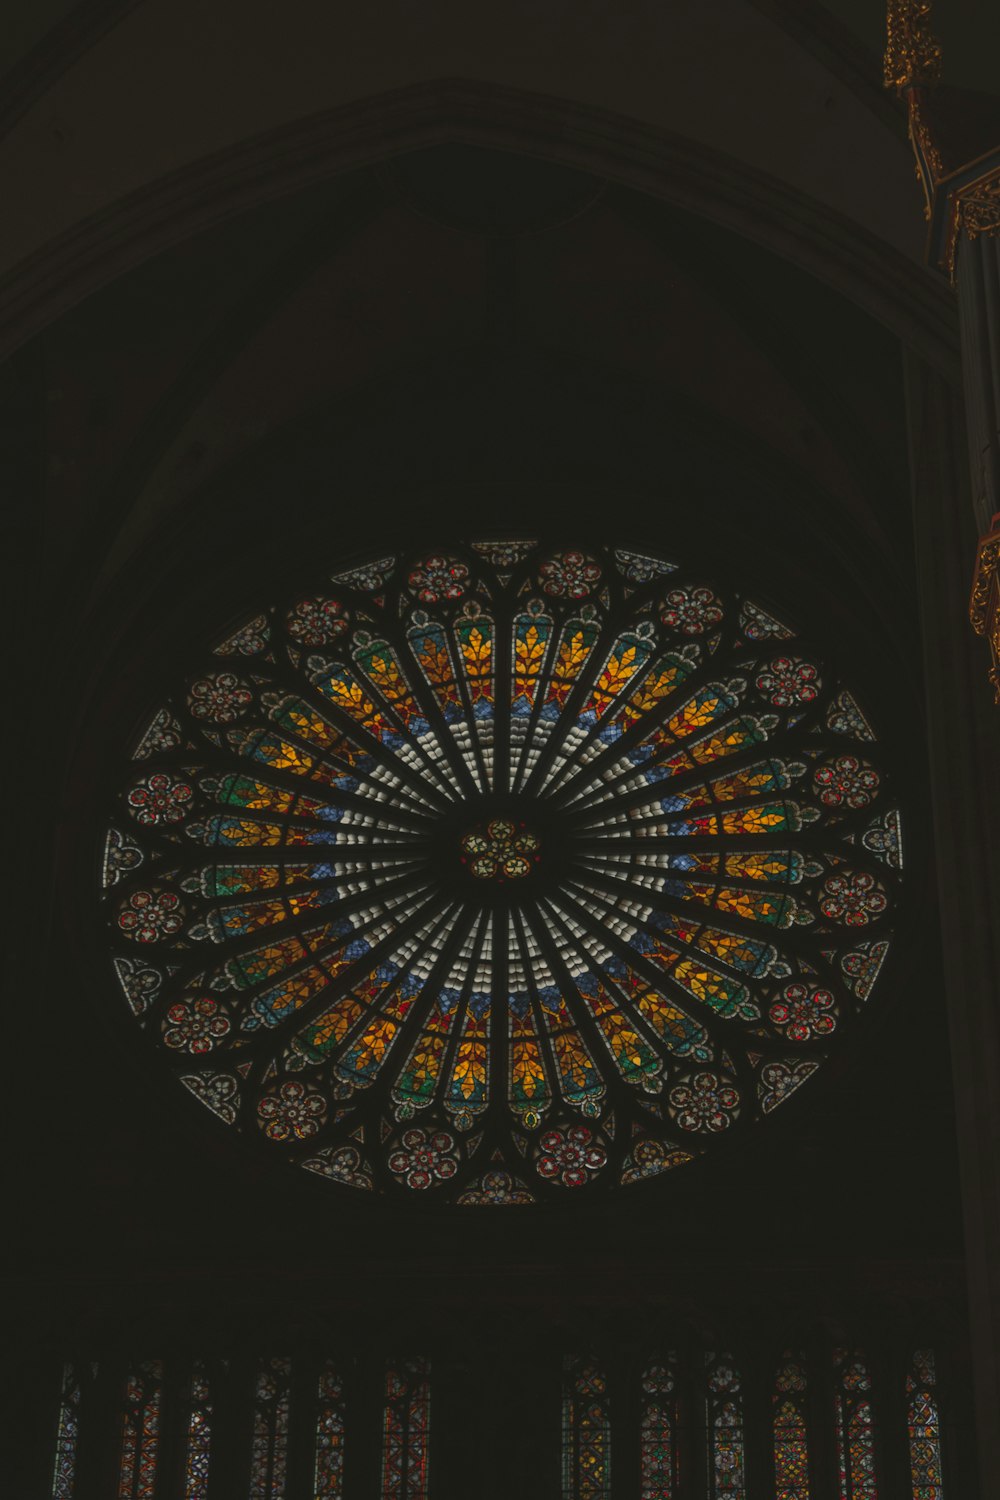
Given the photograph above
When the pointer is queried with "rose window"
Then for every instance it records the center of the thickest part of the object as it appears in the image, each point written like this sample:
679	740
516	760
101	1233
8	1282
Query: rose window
502	873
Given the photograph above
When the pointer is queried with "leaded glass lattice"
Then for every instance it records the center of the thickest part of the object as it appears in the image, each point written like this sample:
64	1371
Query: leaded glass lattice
856	1459
586	1431
923	1421
501	872
658	1433
199	1435
791	1439
406	1430
328	1475
269	1456
67	1435
141	1432
724	1424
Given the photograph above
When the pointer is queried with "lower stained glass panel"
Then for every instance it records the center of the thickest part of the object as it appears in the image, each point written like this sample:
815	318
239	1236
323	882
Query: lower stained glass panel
141	1432
406	1430
199	1436
146	1456
67	1435
328	1474
791	1442
586	1432
269	1453
924	1427
724	1412
658	1449
855	1427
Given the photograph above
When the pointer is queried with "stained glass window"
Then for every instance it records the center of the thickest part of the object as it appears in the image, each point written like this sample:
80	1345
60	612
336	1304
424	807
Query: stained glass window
502	872
406	1430
658	1446
724	1421
269	1461
724	1414
199	1435
141	1432
328	1474
586	1431
67	1435
924	1427
791	1442
855	1427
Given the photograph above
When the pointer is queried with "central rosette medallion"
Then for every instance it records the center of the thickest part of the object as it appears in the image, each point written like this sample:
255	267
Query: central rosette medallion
502	850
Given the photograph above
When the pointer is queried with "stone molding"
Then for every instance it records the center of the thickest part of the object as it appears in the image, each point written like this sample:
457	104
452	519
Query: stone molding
295	157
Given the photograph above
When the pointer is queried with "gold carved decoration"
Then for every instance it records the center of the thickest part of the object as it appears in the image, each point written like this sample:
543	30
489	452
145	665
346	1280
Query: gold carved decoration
929	166
952	205
912	51
961	201
984	606
975	210
980	206
912	61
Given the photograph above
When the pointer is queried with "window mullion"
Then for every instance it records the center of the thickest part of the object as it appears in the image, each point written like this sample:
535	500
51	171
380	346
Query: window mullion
691	1436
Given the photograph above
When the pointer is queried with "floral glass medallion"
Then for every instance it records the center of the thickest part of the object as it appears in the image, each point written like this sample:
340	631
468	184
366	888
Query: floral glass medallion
503	872
501	851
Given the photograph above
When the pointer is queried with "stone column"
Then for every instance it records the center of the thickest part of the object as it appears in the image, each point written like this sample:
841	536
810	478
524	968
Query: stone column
963	730
977	282
955	470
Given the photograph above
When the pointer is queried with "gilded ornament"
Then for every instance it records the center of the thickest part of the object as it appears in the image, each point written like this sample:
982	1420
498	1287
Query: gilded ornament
912	51
984	605
975	211
929	167
979	206
913	60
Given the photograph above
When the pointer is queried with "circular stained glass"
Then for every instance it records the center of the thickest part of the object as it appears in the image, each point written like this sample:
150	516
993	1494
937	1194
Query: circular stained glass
500	873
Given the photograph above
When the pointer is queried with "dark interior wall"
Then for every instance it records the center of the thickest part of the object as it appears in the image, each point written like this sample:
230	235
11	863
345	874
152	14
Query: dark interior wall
522	413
